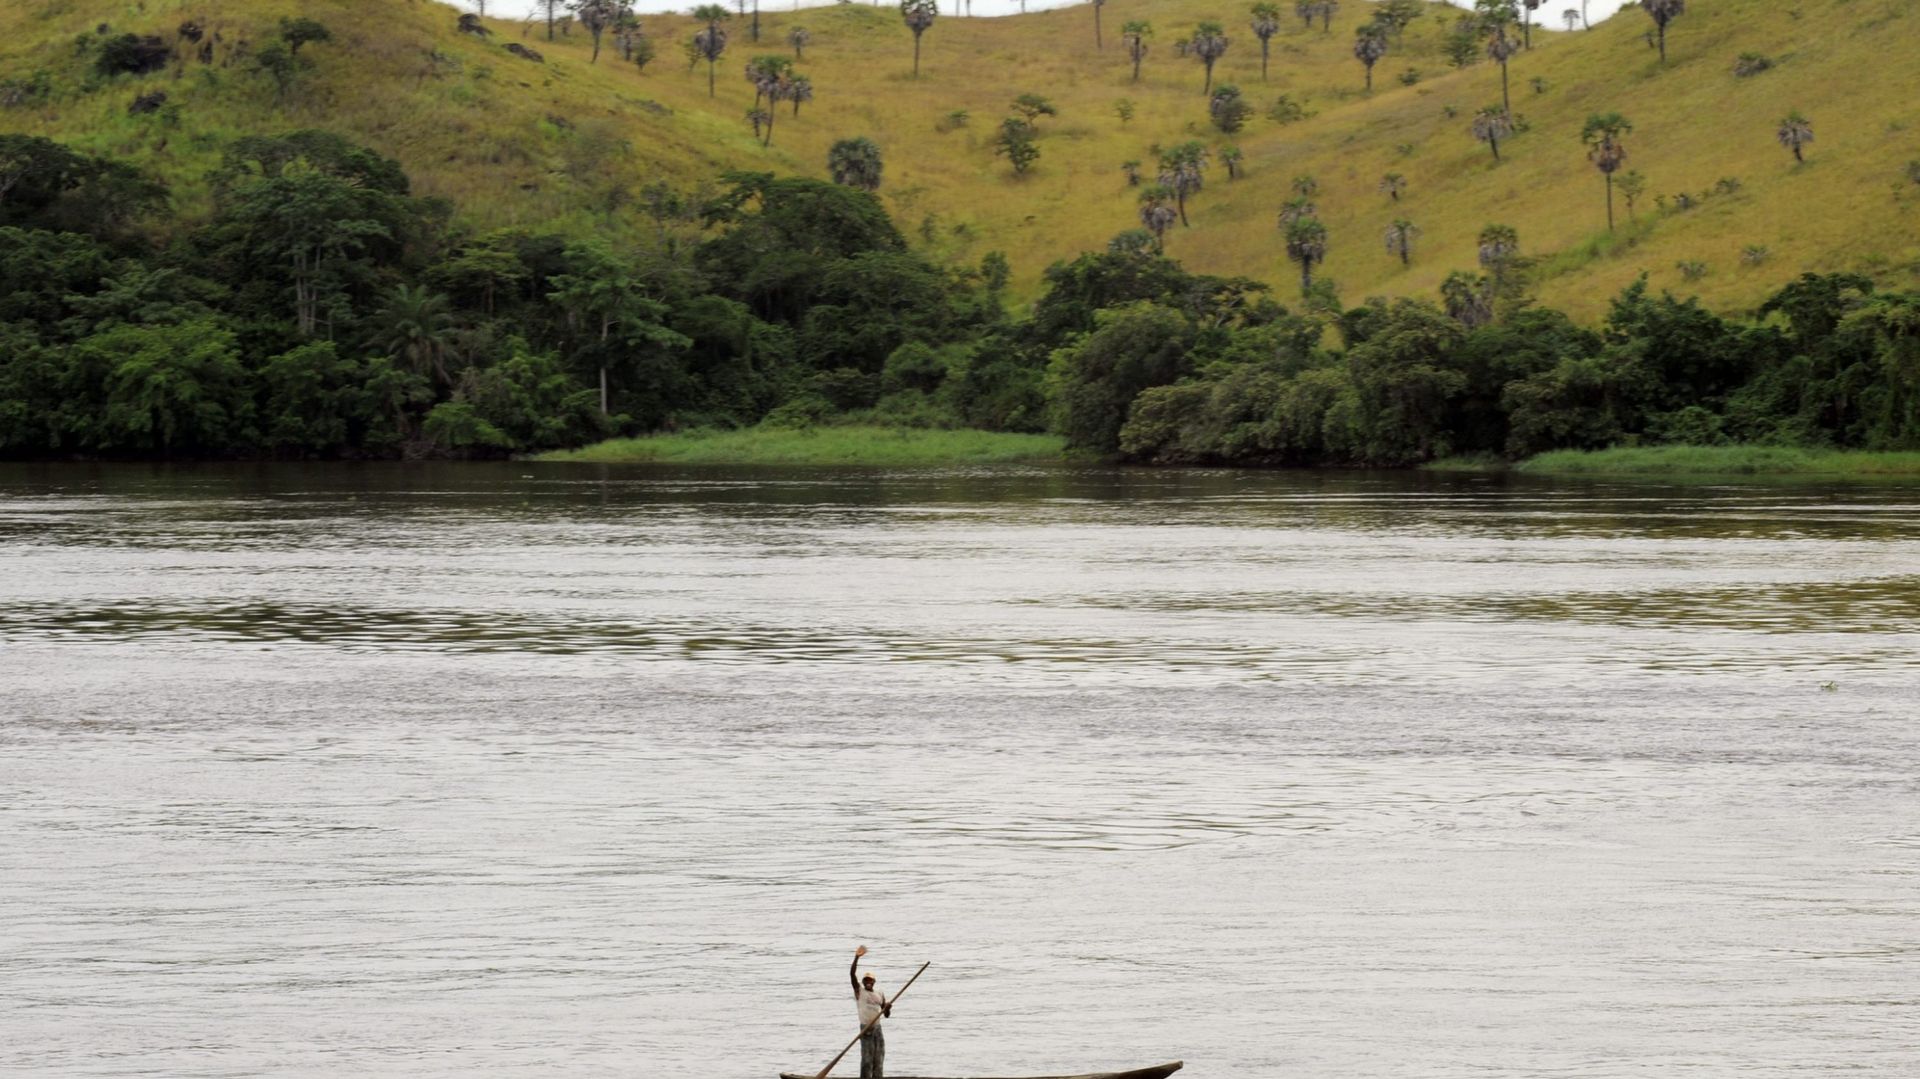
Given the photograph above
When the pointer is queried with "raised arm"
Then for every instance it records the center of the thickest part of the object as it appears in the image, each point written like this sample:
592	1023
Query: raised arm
853	969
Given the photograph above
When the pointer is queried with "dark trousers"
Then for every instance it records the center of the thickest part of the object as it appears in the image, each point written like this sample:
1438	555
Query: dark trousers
873	1054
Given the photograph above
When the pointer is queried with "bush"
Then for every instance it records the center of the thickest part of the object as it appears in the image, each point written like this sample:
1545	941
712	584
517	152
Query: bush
1285	110
130	54
1750	64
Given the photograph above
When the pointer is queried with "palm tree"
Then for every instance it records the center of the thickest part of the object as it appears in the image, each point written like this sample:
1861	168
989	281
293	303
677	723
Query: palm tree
1307	245
1394	185
1183	171
919	15
1209	43
1496	17
1155	214
596	16
1231	157
1795	131
1602	135
1135	35
1664	12
1325	9
1097	5
1400	237
855	162
1573	19
1306	10
1369	45
799	91
1266	23
1490	125
1526	20
1305	187
1468	299
1499	246
711	41
415	327
1295	208
798	37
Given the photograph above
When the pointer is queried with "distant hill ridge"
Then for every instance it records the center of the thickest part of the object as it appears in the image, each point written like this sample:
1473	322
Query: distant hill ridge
544	138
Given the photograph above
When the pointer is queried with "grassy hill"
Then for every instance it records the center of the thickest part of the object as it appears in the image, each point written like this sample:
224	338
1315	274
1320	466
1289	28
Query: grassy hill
514	142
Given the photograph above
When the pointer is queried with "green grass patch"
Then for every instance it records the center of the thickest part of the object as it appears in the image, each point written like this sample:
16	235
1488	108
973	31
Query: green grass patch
1472	462
1721	461
877	446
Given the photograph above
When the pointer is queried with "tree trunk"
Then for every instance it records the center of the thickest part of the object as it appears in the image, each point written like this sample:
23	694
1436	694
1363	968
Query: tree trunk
1206	89
916	54
1097	43
756	22
1663	42
1263	59
596	48
1609	202
1306	276
1406	258
1495	143
773	109
1506	93
1796	153
710	62
1180	198
1526	28
1369	78
1136	67
603	390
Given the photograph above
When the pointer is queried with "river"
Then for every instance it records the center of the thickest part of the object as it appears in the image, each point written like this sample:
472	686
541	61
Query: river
538	770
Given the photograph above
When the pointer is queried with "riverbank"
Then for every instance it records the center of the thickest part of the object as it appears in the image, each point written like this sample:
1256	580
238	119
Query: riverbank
1697	461
877	446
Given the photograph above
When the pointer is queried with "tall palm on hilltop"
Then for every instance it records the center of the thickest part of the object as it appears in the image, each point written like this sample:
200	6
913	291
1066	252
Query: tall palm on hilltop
1097	5
1795	131
1135	35
1663	12
1209	43
1491	125
1156	215
711	40
1499	247
1602	135
1266	23
1183	171
798	37
1307	245
1497	19
1400	236
919	15
1369	45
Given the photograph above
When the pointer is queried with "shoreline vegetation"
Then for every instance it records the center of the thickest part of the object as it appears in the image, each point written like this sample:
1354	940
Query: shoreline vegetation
1682	460
862	445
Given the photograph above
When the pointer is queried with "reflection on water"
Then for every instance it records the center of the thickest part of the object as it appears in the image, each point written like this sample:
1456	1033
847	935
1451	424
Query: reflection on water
536	770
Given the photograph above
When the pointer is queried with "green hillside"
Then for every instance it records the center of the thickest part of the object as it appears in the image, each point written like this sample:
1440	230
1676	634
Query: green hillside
512	141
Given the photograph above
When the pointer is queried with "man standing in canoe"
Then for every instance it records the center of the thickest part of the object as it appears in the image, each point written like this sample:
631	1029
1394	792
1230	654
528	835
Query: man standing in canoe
872	1005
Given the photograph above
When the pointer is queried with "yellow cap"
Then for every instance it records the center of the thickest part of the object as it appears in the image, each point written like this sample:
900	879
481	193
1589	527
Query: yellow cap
868	977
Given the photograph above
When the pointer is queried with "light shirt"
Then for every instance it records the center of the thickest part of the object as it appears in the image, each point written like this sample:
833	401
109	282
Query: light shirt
869	1001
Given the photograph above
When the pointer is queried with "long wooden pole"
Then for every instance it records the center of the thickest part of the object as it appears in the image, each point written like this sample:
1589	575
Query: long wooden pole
875	1019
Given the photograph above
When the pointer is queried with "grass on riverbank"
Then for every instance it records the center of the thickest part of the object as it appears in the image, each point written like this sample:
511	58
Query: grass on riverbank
879	446
1697	461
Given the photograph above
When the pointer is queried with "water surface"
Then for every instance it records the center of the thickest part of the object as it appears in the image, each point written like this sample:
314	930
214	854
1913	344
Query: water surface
528	770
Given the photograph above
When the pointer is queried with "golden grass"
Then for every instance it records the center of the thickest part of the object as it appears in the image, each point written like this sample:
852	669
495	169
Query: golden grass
474	124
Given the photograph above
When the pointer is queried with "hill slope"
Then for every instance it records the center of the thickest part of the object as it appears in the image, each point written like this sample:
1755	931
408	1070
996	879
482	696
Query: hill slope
512	141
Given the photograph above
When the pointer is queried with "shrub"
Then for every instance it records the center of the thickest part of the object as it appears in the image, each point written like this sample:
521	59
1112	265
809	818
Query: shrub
1285	110
1754	254
1750	64
1693	269
952	121
130	54
1411	77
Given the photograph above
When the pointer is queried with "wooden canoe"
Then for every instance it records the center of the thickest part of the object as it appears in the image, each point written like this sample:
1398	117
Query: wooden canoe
1158	1071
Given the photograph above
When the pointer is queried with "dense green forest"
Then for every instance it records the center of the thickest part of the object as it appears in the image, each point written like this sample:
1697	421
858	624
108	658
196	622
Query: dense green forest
323	310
